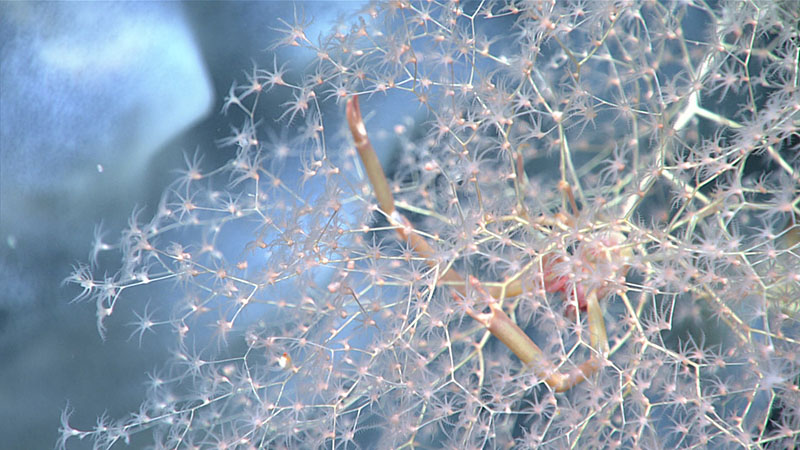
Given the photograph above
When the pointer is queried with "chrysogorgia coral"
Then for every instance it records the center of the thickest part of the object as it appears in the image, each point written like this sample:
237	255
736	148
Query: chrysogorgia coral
589	238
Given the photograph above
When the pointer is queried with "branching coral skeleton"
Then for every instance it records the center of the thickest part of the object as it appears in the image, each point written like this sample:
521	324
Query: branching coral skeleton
606	248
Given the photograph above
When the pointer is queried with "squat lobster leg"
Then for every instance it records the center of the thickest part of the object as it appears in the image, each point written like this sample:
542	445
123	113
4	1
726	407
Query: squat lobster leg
496	321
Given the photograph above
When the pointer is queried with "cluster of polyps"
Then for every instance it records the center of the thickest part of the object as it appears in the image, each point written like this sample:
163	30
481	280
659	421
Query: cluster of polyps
604	247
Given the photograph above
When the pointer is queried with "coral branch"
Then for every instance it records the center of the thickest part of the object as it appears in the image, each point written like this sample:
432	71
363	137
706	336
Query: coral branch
496	320
368	156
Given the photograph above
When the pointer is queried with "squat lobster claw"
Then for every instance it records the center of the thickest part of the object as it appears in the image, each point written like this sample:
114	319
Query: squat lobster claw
496	321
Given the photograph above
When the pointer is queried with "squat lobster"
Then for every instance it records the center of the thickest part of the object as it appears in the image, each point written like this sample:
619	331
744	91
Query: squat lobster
602	246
